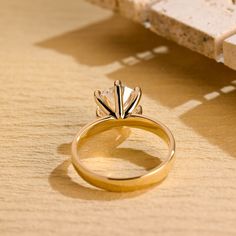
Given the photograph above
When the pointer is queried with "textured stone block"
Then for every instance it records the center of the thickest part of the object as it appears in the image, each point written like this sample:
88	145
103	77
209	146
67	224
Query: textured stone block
200	25
229	50
137	10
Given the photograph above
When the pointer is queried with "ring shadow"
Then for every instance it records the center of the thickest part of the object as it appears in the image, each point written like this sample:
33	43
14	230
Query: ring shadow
61	181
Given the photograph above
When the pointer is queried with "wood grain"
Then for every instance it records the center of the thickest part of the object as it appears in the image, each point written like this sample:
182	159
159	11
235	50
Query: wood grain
54	54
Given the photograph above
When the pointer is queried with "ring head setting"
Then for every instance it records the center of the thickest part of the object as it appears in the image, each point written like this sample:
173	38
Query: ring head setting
118	101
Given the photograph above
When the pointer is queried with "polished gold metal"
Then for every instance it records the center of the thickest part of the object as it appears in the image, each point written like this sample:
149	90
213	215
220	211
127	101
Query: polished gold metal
124	112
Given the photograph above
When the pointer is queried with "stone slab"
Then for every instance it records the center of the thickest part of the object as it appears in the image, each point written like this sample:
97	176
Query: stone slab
229	49
200	25
137	10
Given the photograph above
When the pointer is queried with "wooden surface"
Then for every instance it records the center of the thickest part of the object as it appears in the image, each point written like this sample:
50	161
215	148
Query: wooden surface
54	54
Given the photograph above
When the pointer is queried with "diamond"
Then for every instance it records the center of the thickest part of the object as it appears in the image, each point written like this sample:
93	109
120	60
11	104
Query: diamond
108	96
118	101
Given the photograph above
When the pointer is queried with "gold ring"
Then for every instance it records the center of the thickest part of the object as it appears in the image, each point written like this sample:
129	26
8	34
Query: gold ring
123	110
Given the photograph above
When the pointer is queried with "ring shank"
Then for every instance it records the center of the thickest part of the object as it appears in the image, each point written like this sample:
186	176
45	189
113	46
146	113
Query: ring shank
153	176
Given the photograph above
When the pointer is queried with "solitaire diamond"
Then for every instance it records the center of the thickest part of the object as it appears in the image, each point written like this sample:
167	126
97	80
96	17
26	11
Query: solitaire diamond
118	101
108	96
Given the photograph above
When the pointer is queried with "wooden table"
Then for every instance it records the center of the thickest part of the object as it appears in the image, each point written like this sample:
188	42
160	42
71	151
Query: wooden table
54	54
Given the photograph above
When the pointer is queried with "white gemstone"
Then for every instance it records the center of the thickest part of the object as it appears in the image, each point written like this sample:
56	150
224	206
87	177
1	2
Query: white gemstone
108	96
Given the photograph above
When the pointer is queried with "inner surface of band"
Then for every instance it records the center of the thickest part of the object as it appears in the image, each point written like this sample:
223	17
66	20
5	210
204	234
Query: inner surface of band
132	122
135	121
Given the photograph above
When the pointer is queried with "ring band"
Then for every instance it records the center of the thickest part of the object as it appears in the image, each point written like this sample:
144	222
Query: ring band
110	118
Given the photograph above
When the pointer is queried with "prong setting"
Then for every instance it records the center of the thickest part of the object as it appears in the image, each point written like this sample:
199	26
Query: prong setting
119	101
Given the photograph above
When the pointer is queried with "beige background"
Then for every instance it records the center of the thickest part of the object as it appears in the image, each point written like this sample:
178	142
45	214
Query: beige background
54	54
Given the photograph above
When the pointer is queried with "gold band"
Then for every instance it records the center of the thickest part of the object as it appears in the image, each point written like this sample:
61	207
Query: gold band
153	176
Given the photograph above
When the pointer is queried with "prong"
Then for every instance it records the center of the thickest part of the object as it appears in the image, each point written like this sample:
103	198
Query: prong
100	113
118	95
139	110
137	93
100	102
